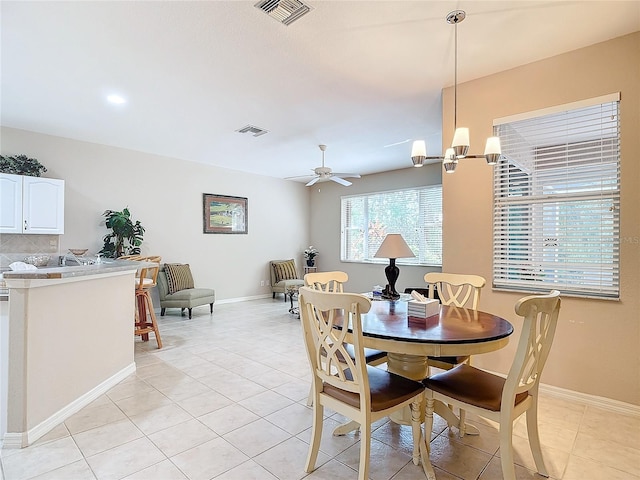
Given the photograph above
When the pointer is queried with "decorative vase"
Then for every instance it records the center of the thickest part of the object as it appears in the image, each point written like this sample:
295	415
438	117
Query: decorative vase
310	262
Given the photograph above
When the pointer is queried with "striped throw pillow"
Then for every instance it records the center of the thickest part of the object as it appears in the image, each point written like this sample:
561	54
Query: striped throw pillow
178	276
284	270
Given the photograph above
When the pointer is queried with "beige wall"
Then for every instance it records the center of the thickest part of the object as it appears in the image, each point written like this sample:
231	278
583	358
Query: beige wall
325	224
165	194
597	344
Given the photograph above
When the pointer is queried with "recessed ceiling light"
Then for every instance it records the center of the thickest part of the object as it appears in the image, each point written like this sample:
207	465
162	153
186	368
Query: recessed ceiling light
116	99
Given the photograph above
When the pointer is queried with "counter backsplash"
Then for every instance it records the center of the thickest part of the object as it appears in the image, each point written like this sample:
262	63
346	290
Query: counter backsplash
14	247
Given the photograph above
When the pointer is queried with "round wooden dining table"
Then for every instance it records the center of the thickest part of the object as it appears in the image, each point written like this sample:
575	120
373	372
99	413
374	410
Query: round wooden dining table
408	341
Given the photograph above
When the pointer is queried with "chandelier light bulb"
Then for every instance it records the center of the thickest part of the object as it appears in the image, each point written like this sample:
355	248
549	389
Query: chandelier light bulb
492	150
450	161
460	143
418	153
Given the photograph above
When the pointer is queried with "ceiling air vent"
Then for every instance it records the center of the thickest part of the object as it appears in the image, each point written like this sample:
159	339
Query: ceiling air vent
256	131
284	11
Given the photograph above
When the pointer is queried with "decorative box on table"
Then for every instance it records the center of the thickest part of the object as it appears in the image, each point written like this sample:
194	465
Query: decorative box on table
419	311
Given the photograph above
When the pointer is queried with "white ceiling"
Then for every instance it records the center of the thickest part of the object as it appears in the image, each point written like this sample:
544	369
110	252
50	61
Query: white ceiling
354	75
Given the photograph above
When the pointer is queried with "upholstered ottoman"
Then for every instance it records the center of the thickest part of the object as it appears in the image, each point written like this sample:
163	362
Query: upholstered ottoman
176	289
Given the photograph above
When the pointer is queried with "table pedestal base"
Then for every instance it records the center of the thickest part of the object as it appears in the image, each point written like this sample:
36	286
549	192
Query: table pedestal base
410	366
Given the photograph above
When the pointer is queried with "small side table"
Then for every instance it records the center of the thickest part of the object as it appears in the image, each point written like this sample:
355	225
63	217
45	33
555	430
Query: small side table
310	269
292	291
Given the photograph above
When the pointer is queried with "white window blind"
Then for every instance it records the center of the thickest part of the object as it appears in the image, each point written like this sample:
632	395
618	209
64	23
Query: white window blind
415	213
556	202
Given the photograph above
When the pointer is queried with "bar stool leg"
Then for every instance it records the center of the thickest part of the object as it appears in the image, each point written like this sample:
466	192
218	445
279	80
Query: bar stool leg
141	317
146	321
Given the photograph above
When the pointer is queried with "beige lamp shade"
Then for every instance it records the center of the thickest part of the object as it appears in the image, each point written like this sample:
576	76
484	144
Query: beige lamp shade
394	246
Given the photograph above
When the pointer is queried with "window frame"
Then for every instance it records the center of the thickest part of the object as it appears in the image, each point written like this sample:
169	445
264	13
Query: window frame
432	220
572	193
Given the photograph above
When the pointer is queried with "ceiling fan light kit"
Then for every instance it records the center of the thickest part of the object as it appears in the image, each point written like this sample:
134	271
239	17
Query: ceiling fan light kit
460	143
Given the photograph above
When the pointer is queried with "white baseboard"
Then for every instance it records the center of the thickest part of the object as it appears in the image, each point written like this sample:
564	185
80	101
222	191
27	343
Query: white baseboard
243	299
24	439
591	400
587	399
12	440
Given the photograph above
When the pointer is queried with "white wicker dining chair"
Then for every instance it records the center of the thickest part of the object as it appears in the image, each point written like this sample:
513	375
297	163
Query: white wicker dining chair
349	386
499	399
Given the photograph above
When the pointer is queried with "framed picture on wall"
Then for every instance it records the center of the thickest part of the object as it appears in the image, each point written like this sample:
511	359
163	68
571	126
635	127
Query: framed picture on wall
224	214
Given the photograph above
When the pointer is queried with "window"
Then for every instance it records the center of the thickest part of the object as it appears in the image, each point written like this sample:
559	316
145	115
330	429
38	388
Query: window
556	200
415	213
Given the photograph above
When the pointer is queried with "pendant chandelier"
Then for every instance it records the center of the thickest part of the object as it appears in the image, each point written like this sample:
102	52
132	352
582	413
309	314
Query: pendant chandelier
460	144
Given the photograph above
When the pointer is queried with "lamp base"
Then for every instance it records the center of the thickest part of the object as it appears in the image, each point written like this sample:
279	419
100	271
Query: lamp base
392	272
388	294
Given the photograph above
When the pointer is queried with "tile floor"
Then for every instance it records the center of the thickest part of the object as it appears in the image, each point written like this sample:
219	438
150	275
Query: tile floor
225	399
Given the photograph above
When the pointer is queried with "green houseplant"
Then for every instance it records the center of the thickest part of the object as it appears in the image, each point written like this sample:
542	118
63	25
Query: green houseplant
21	165
125	237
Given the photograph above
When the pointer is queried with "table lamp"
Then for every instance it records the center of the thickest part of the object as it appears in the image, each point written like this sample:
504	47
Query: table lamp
393	247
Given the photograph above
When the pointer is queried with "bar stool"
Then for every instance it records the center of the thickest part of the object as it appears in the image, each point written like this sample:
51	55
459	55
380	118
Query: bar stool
145	317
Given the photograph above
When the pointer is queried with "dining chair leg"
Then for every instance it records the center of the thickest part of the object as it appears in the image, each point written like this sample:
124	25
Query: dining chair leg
428	422
462	426
316	435
425	443
416	430
534	437
365	451
506	449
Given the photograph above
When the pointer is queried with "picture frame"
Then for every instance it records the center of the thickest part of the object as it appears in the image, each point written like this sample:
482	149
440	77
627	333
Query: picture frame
224	214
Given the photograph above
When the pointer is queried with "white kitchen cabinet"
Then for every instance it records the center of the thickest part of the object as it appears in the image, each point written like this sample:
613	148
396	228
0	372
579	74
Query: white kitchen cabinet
31	205
10	203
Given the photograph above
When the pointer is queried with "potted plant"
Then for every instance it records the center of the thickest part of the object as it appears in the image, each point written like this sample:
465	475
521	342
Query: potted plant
21	165
310	255
125	237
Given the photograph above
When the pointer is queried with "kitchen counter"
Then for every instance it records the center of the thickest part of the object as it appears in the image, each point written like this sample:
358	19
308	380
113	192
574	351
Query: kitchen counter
69	339
106	266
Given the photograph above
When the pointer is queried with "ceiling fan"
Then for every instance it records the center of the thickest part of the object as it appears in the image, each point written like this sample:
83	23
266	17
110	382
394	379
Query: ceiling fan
324	174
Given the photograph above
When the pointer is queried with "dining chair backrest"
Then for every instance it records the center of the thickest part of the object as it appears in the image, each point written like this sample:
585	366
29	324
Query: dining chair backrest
540	318
330	361
326	281
456	289
333	282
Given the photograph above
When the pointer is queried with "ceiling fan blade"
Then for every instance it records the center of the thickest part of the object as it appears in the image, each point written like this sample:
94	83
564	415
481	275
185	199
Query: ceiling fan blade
339	180
347	175
299	176
312	182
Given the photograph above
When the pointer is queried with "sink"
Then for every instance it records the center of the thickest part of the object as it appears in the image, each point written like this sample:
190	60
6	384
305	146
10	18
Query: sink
71	260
